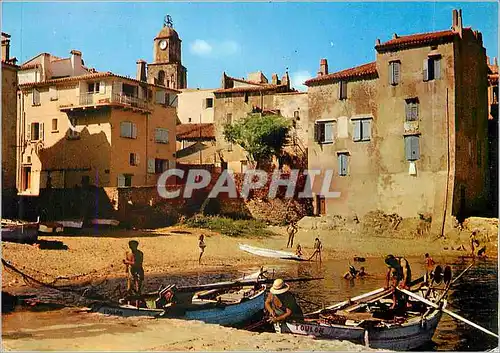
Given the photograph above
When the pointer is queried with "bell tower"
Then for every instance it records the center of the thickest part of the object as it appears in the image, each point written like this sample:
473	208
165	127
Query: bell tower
166	68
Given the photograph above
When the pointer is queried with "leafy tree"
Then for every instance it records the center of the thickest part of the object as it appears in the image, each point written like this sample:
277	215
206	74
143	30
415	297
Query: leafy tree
261	136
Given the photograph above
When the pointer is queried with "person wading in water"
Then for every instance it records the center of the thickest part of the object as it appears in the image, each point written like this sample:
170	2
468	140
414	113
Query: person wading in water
135	273
281	304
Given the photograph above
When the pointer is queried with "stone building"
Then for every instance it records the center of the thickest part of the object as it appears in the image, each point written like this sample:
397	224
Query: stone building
238	97
82	127
493	135
406	133
9	128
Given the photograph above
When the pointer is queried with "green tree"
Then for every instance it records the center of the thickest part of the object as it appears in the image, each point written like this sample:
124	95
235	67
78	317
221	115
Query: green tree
261	136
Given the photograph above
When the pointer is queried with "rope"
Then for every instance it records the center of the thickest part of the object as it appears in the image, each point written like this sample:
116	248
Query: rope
307	301
29	280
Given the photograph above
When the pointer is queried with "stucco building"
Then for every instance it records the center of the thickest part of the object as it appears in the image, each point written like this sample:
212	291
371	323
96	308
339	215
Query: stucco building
82	127
238	97
406	133
9	127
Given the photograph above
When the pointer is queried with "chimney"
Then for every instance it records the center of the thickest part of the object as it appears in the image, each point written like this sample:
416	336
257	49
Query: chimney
141	70
5	48
488	60
454	19
495	62
285	80
323	67
274	79
76	61
377	42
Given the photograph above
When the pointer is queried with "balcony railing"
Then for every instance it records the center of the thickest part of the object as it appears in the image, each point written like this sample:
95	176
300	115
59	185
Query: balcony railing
94	99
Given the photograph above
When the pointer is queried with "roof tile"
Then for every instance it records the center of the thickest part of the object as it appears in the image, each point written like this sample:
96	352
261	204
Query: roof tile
202	131
369	69
417	40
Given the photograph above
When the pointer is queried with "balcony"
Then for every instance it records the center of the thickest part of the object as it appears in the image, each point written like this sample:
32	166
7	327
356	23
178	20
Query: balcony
94	100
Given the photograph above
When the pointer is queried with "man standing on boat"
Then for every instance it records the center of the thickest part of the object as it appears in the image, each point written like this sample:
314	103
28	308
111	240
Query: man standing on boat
135	272
398	275
281	304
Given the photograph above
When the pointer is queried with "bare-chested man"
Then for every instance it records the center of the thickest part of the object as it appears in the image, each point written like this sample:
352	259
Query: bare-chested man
133	261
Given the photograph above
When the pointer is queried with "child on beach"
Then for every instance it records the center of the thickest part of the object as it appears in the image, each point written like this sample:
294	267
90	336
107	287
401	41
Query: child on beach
202	246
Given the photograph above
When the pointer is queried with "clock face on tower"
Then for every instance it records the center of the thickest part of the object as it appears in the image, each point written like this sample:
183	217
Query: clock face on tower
163	45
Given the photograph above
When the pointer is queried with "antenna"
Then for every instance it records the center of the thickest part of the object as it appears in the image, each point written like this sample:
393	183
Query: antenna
167	22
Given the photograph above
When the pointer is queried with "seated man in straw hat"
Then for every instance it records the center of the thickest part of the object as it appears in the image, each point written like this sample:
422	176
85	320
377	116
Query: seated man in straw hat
281	304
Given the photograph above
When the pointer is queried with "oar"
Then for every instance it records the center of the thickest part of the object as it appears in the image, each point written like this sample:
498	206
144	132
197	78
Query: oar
451	313
462	273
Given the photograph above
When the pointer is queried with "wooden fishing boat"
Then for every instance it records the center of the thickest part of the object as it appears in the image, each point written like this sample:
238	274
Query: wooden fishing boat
226	307
19	232
367	320
105	222
71	223
277	254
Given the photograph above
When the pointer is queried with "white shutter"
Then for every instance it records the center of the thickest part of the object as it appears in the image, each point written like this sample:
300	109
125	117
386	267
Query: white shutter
134	130
41	131
356	136
425	72
102	87
36	97
151	165
165	135
396	74
391	73
160	97
366	129
137	159
53	93
28	132
437	68
124	129
121	180
174	100
164	165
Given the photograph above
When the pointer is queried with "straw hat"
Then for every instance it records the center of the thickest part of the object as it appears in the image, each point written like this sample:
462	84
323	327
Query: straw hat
279	287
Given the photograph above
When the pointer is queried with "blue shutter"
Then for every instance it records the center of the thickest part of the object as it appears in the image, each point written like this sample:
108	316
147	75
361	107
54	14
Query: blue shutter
415	146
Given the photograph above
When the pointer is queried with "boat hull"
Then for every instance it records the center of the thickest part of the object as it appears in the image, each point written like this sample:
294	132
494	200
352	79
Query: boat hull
407	336
27	233
226	315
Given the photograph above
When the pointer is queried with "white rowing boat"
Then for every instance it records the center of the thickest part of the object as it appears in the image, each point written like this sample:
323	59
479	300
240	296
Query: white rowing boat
277	254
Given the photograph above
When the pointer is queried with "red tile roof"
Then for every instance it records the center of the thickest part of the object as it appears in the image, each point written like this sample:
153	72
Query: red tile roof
9	63
365	70
417	40
29	66
88	77
203	131
260	88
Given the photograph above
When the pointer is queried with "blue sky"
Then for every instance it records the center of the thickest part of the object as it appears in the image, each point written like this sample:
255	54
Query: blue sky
235	37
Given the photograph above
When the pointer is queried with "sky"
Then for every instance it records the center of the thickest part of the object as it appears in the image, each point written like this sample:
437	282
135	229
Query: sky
235	37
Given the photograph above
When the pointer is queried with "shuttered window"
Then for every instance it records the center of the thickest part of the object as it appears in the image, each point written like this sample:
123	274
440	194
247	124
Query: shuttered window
36	97
411	109
160	97
36	131
412	148
161	135
53	93
324	132
102	87
124	180
431	68
161	165
343	163
343	90
394	72
128	130
362	130
134	159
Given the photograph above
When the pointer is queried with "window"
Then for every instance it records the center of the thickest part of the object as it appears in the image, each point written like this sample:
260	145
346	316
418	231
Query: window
160	97
432	68
229	118
73	133
323	132
161	165
296	115
246	97
362	130
411	109
85	180
124	180
343	90
93	87
343	163
161	135
209	103
128	130
54	125
412	147
36	97
161	77
53	93
189	120
394	72
36	131
133	159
